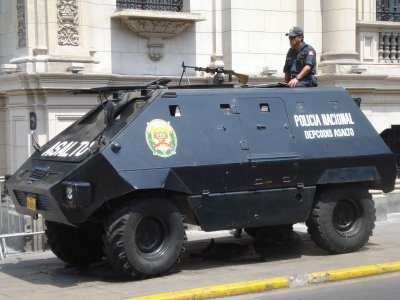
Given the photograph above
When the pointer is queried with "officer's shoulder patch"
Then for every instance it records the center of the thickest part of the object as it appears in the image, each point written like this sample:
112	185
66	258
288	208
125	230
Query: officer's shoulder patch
311	52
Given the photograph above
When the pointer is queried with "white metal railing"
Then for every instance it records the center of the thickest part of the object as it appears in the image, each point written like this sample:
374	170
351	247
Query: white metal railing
14	225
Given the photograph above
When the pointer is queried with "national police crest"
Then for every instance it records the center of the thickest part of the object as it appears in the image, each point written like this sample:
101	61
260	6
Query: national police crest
161	138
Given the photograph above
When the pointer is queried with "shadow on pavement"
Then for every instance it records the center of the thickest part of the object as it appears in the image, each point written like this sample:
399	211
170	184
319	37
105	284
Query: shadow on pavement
48	270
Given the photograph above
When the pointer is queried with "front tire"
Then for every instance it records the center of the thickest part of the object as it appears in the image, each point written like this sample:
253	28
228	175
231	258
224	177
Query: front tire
144	238
78	246
342	219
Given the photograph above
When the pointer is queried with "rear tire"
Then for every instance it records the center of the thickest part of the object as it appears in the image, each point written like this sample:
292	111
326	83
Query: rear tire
342	219
144	238
78	246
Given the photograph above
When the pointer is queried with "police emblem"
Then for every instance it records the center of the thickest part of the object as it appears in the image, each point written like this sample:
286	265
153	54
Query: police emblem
161	138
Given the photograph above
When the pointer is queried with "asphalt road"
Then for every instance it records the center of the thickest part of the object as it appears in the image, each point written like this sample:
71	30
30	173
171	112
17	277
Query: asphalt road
382	287
42	276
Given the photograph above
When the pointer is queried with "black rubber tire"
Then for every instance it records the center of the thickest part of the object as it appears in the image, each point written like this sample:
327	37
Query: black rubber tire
78	246
144	238
342	219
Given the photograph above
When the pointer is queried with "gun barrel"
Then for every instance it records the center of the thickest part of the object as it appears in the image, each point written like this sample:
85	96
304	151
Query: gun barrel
193	67
243	79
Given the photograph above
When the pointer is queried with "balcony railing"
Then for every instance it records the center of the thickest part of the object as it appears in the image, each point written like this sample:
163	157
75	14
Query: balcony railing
389	47
387	10
163	5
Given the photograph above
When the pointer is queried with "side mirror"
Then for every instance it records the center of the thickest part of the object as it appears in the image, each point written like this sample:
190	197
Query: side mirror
32	120
357	100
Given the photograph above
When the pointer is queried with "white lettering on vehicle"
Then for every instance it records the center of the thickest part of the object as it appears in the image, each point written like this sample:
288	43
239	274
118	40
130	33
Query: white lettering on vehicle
337	119
68	149
318	134
307	120
328	120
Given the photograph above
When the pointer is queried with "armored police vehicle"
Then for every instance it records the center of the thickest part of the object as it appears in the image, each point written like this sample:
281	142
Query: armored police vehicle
122	181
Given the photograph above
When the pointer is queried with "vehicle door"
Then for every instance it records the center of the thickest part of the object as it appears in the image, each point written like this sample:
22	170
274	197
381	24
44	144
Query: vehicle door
269	140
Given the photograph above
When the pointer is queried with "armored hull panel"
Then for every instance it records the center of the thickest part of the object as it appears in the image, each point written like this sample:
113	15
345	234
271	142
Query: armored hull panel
134	169
224	150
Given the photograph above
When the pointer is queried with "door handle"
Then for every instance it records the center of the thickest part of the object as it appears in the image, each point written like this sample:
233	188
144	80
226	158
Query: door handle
260	127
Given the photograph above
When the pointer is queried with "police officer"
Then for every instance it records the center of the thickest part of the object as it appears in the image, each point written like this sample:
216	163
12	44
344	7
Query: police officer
301	61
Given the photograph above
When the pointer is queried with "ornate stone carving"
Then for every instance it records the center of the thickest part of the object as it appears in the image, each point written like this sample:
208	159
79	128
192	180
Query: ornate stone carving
156	47
156	26
155	31
21	23
67	19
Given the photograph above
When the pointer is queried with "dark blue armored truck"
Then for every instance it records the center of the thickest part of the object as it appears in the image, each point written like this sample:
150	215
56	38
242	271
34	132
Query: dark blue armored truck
122	181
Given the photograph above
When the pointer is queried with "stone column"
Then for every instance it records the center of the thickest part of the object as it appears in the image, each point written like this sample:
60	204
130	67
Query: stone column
54	36
217	57
3	136
366	10
338	35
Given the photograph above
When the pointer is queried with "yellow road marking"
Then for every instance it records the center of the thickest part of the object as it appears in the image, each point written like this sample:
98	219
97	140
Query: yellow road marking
245	287
230	289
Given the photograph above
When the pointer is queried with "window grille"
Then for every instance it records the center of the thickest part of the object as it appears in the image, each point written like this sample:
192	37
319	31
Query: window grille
163	5
388	10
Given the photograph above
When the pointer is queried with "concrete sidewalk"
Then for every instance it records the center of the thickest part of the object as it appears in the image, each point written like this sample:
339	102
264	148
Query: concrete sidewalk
42	276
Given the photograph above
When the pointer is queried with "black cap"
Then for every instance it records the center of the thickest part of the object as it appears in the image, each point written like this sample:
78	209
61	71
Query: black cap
295	31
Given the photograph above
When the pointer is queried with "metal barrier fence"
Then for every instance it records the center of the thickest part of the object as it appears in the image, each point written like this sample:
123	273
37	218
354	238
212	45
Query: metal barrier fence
17	232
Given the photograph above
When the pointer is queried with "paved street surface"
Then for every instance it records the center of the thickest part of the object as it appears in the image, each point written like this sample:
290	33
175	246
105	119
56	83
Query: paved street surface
382	287
43	276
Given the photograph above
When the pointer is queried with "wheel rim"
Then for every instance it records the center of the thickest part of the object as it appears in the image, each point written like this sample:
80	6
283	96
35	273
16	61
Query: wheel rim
346	216
150	235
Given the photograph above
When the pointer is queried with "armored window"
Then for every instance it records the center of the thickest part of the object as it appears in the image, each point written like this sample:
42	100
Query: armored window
175	111
301	107
225	108
335	105
264	107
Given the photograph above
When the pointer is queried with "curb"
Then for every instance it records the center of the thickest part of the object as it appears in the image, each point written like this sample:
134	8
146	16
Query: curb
262	285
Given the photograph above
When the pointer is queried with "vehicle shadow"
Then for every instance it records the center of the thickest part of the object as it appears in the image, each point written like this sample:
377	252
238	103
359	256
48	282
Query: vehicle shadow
229	251
198	255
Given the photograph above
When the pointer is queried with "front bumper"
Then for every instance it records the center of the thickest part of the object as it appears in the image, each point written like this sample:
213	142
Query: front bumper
93	182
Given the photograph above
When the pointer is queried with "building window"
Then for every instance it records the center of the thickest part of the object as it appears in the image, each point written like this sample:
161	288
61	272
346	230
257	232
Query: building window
166	5
388	10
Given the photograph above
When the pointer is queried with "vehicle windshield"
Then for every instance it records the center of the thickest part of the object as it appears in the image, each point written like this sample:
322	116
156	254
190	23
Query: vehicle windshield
95	129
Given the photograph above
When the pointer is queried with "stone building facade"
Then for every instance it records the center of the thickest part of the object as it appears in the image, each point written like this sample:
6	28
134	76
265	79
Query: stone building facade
48	47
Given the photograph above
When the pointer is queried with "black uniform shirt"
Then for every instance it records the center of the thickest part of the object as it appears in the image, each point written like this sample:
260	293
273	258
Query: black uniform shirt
296	60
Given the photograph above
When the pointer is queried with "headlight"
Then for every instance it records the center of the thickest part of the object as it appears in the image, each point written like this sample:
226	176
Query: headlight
69	192
76	194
